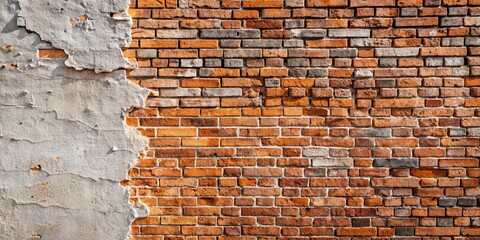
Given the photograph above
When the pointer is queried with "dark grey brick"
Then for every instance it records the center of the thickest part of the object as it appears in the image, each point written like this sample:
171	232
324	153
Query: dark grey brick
396	162
298	62
272	82
230	43
233	63
447	202
454	61
451	21
365	132
409	12
457	11
404	231
445	222
268	43
472	41
242	53
230	33
307	33
467	202
294	23
321	62
213	62
457	41
387	62
317	72
298	72
344	53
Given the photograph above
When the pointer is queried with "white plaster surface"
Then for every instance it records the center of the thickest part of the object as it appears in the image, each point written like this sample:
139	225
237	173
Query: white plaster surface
64	145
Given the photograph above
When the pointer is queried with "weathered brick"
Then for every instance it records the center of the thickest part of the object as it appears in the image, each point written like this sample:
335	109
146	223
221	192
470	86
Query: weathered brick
222	92
307	118
372	3
175	34
307	33
230	33
395	163
191	63
315	152
332	162
341	33
397	52
199	102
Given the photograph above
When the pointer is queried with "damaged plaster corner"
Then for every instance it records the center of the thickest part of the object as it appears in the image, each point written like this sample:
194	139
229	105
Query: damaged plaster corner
139	142
140	210
93	42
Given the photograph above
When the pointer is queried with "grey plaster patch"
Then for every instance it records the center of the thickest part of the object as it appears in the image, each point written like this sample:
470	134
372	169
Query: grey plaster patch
91	32
64	143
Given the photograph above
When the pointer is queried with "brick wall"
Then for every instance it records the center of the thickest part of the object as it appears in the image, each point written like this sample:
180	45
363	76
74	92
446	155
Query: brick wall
335	119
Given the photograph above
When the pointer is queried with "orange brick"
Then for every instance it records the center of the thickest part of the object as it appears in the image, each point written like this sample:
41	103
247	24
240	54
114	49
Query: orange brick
51	53
156	43
198	43
327	3
262	3
151	3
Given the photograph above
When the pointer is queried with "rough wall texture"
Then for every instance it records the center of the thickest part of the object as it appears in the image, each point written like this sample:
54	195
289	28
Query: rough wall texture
328	119
64	144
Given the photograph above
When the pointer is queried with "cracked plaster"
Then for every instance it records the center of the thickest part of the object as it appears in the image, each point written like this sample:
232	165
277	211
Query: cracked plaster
64	144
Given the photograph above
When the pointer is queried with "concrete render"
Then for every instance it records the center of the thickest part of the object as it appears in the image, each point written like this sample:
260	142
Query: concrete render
64	145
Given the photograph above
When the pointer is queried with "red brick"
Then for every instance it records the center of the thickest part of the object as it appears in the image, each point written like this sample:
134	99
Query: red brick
356	231
229	160
437	231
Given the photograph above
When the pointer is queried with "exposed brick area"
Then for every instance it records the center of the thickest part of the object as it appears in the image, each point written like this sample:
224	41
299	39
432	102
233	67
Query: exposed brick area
298	119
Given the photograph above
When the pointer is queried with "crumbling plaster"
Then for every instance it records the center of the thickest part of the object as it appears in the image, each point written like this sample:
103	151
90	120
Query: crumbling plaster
64	145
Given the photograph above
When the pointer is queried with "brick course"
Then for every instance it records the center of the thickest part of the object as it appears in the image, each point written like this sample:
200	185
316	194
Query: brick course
299	119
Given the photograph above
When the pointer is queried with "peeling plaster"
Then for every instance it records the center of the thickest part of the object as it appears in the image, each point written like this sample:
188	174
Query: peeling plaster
91	32
64	144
